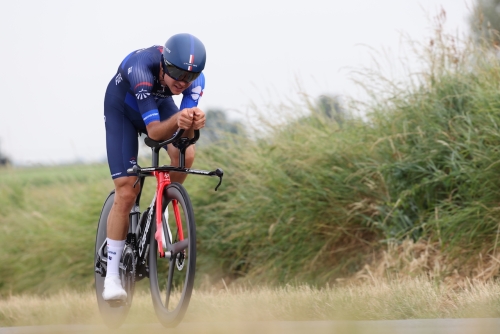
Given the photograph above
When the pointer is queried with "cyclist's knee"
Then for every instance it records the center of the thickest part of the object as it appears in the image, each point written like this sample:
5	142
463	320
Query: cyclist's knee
125	193
188	157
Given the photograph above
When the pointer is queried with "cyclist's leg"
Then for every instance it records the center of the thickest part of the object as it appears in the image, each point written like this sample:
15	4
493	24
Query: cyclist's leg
117	228
125	195
122	148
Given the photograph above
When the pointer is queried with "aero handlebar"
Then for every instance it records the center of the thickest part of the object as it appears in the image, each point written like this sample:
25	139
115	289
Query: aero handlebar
181	143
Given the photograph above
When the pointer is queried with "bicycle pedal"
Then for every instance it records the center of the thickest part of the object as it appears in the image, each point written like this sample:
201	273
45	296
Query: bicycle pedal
100	269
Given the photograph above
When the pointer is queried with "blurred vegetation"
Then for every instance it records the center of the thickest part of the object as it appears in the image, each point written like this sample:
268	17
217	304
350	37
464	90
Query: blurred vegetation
313	195
318	197
484	22
4	160
48	220
218	126
331	106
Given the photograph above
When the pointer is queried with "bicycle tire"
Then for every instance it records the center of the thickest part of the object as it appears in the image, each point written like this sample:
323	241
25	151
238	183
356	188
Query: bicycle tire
164	274
113	316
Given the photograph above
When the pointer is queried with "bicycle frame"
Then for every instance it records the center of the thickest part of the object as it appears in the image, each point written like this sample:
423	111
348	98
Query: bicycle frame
162	174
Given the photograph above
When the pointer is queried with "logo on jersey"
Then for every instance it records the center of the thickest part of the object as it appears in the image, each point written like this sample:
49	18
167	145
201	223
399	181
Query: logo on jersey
133	161
130	70
118	78
196	92
150	114
142	94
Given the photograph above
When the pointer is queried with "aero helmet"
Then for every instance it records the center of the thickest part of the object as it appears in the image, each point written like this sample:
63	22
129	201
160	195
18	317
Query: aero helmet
183	57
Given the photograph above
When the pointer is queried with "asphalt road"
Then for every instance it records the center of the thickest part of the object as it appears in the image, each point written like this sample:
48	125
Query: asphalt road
420	326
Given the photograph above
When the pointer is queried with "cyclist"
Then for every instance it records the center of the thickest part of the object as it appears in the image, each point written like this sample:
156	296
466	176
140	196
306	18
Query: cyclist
139	99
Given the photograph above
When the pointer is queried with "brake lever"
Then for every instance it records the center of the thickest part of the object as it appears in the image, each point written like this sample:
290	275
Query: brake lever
134	170
220	174
136	181
220	182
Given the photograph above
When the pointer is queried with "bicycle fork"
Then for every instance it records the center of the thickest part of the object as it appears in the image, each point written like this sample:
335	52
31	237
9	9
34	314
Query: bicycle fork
163	180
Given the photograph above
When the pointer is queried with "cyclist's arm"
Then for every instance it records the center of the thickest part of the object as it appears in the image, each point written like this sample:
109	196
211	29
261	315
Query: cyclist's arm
141	80
164	130
191	97
189	118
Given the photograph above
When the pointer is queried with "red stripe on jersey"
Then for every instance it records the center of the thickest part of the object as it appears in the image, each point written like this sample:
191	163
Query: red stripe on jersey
144	83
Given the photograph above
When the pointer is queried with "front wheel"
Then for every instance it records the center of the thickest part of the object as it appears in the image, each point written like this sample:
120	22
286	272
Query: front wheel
172	277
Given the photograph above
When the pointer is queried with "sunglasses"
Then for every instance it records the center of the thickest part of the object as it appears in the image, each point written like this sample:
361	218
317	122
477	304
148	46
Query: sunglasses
178	74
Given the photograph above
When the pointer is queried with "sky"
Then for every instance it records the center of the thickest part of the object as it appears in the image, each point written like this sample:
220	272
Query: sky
58	56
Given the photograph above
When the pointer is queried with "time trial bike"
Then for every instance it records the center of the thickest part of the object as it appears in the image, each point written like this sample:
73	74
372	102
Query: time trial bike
161	241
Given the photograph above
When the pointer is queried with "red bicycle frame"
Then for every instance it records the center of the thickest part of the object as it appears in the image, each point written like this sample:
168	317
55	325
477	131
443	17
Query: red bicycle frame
163	180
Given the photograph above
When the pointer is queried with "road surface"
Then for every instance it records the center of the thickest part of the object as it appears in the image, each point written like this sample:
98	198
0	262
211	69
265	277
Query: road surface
417	326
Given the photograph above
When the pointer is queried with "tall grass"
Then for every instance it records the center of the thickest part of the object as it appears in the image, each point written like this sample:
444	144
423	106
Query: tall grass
291	202
313	201
439	139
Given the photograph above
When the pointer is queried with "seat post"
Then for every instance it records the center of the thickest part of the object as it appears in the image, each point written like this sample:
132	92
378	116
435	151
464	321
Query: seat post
182	159
155	156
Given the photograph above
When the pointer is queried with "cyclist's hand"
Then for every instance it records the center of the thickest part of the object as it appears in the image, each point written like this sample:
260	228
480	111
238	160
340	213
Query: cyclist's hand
198	118
185	119
191	118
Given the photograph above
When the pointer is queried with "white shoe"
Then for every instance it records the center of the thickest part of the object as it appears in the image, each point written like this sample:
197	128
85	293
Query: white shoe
113	290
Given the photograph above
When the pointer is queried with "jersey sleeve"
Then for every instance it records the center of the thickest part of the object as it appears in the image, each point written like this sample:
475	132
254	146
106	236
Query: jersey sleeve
141	83
193	93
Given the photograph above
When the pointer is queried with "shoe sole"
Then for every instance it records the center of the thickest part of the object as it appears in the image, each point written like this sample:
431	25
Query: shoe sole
115	300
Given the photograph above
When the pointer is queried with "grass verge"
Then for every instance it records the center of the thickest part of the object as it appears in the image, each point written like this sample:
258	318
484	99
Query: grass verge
416	298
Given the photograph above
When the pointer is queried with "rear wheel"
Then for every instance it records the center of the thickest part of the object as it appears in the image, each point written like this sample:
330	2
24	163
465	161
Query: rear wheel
112	315
172	277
